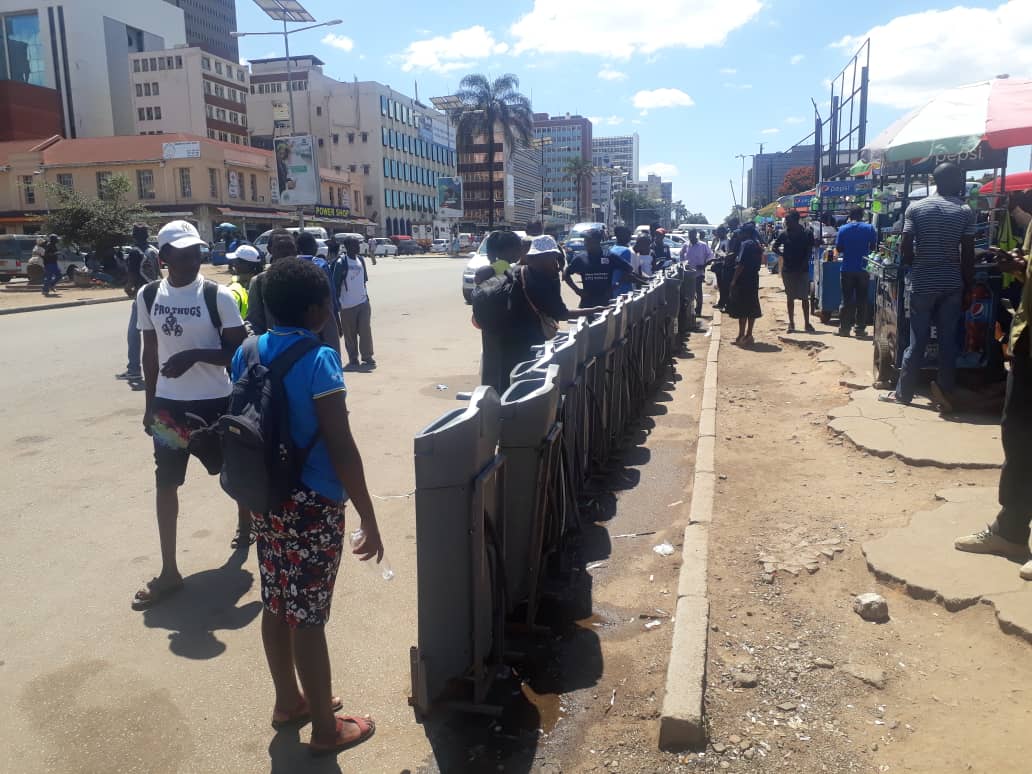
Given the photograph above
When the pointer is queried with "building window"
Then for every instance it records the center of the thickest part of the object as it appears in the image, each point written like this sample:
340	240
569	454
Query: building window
365	169
179	63
234	117
254	188
369	201
333	202
29	189
240	74
146	90
383	105
102	178
140	114
211	134
336	139
352	167
220	114
161	63
145	183
220	91
213	183
136	65
318	110
139	90
153	65
383	134
64	180
185	188
386	167
365	136
146	67
150	113
386	197
321	142
207	87
218	67
205	63
210	111
157	113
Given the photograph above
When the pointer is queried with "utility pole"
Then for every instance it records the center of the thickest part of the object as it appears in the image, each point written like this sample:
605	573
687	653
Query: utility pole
745	196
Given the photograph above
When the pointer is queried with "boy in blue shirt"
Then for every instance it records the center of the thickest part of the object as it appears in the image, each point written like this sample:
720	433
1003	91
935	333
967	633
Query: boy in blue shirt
300	542
854	243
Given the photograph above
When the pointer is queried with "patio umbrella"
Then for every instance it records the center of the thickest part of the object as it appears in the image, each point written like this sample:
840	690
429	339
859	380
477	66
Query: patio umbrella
998	112
1017	181
227	226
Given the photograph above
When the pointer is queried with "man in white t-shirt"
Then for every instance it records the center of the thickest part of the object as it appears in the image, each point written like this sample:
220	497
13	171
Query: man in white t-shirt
349	283
191	329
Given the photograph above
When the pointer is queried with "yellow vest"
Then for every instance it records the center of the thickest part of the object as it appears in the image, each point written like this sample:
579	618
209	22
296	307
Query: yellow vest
240	294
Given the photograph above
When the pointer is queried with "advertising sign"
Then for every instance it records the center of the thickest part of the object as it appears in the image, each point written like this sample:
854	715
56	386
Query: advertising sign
180	150
982	157
426	129
845	187
234	184
297	171
449	197
443	133
327	211
280	115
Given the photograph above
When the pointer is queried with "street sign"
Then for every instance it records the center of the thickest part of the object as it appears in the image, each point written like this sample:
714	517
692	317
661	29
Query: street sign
180	150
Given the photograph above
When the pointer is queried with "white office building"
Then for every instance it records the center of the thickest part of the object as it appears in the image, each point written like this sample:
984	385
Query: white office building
191	91
81	50
621	151
393	146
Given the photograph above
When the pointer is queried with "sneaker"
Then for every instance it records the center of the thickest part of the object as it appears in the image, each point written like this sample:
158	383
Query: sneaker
810	329
370	364
353	365
129	376
841	332
939	396
791	328
988	542
860	333
1026	571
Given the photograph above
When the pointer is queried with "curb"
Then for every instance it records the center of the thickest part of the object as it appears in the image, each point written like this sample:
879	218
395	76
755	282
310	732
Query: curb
682	721
63	305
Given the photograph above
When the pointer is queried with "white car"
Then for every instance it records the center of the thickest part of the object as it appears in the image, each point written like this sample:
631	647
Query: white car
381	246
363	245
477	260
439	246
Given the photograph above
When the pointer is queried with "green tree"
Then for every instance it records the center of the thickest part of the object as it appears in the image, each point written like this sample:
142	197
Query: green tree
579	169
99	223
489	106
636	209
683	215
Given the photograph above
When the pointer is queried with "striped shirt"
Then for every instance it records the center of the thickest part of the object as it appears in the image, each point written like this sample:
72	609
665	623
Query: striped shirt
938	223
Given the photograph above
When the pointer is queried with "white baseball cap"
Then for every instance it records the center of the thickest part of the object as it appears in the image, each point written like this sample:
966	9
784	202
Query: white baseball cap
180	234
245	253
540	245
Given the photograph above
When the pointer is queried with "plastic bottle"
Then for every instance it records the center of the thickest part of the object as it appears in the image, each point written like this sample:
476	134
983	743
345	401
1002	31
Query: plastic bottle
384	567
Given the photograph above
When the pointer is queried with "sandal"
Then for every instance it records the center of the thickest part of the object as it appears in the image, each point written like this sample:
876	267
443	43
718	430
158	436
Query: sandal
151	594
366	728
302	713
237	541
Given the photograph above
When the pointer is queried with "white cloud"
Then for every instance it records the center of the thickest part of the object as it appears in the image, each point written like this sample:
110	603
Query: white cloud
771	130
607	73
661	168
591	21
797	59
914	57
606	120
742	86
728	71
794	120
445	54
343	42
662	98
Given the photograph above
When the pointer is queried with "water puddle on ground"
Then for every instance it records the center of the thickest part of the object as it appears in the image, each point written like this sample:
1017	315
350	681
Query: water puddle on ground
549	707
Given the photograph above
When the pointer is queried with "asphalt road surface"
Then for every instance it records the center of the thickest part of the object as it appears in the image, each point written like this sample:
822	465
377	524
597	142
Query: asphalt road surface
91	686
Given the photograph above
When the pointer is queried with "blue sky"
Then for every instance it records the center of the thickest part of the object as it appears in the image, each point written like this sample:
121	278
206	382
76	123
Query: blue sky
699	80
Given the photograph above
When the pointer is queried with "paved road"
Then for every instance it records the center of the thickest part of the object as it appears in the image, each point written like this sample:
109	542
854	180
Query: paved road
89	685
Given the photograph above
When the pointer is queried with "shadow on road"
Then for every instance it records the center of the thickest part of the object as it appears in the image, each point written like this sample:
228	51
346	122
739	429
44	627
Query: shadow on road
207	603
287	755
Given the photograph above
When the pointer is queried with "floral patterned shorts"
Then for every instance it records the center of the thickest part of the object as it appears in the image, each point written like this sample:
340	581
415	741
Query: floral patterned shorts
299	549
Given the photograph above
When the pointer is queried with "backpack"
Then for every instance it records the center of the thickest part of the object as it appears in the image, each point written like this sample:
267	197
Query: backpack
340	273
491	303
261	465
211	296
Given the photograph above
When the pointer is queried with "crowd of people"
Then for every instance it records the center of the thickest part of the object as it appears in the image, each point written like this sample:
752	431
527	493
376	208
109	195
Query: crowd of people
261	358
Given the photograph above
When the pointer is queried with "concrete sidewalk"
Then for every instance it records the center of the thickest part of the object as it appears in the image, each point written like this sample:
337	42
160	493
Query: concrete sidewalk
921	558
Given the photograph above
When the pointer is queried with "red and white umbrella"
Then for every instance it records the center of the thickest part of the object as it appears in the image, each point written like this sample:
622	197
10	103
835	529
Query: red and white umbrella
997	112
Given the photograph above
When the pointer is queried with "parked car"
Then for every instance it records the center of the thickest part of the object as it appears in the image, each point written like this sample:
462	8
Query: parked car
16	250
439	246
363	245
382	246
406	245
262	242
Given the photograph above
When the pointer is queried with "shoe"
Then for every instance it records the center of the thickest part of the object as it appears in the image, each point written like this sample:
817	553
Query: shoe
1026	571
370	364
353	365
130	376
809	328
939	396
988	542
791	328
860	333
841	332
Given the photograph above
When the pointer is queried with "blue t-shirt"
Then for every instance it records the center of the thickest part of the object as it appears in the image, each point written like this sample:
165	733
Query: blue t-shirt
855	241
315	375
621	278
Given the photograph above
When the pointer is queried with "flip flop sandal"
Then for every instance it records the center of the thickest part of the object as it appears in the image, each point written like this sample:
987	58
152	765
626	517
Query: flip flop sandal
152	594
366	728
302	713
237	543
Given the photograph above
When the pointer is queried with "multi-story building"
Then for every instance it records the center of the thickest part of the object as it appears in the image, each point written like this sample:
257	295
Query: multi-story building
622	152
80	50
769	169
208	24
172	176
506	194
396	146
189	90
566	138
608	180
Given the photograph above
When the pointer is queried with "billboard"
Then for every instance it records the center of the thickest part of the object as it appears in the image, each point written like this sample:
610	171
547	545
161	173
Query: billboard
449	197
297	171
280	115
426	129
180	150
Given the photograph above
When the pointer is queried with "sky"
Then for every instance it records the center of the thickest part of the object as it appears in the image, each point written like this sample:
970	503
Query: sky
700	81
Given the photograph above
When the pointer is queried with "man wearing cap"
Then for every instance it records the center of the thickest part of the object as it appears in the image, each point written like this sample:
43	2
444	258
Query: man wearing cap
661	257
596	270
246	263
191	329
143	267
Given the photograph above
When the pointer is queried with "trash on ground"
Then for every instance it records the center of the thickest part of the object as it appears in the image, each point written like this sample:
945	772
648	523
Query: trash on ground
652	624
664	549
442	387
634	534
595	565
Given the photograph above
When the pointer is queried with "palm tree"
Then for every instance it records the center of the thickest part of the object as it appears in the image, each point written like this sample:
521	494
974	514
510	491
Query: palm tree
488	107
579	169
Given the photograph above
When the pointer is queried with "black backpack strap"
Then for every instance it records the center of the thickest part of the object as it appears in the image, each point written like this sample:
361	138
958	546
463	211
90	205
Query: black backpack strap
250	350
150	292
281	366
211	300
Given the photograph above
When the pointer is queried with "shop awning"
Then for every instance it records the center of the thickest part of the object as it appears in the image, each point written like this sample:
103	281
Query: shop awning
229	212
